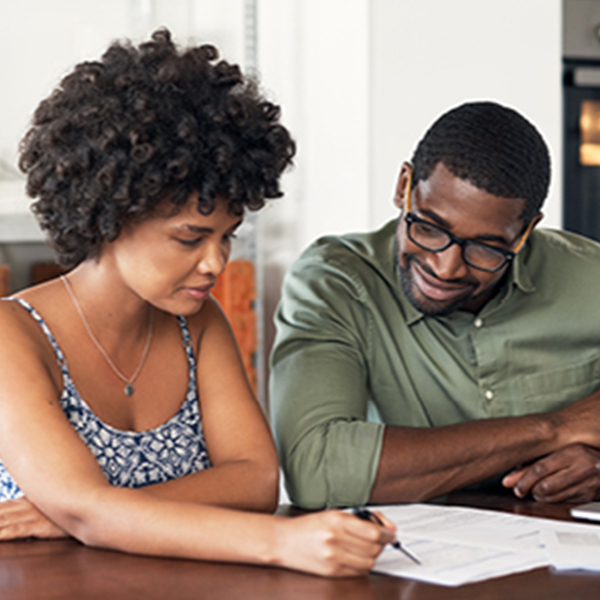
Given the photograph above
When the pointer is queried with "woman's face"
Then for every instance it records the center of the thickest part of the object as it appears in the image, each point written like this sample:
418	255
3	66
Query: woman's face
173	261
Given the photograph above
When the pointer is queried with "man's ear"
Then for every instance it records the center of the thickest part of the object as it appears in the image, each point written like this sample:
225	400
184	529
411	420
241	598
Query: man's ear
537	219
400	193
530	227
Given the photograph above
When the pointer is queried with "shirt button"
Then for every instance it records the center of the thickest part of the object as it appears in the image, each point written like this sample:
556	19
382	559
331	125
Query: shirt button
478	322
489	394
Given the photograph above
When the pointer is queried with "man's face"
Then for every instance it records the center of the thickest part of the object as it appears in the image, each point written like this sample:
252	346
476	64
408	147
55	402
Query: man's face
438	283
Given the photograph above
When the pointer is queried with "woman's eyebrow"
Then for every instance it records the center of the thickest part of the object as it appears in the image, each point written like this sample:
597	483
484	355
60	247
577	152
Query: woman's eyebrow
203	229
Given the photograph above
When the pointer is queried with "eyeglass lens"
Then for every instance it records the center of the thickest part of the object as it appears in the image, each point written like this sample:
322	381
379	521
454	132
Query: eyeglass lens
432	238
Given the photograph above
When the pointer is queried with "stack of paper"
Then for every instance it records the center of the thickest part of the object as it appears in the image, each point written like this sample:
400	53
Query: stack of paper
573	546
459	545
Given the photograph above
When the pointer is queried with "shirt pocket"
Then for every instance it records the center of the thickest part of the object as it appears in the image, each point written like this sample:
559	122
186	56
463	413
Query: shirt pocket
554	388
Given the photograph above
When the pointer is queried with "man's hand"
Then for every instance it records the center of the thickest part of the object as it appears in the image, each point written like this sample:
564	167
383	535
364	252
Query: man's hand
21	519
571	474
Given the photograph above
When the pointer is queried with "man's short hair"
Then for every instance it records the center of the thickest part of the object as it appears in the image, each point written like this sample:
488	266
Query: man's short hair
493	147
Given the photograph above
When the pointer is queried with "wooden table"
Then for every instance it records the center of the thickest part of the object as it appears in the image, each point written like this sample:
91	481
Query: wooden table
66	570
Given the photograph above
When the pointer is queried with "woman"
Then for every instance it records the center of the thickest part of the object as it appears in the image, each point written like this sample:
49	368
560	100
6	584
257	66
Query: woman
126	419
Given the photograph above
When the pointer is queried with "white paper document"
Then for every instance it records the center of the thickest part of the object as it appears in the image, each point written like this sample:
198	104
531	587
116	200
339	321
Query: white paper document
458	545
573	546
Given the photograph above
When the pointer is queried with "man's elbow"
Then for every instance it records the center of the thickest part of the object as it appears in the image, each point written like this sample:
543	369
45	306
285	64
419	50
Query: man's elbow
328	470
306	493
305	481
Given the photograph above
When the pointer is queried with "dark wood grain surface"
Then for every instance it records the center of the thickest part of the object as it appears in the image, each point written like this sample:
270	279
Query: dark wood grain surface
66	570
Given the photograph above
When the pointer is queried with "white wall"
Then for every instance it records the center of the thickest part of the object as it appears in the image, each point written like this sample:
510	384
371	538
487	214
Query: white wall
314	60
429	55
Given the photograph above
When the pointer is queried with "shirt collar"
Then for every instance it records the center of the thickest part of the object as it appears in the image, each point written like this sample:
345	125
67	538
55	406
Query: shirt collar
519	273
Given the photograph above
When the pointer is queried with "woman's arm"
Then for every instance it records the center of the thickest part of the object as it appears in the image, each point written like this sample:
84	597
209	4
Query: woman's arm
245	471
60	476
21	519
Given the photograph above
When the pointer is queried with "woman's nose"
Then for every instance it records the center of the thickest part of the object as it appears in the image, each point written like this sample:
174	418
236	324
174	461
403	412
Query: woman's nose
213	261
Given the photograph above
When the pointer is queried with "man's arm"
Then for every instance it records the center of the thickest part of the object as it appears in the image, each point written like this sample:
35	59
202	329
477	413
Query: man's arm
319	391
421	464
320	387
571	473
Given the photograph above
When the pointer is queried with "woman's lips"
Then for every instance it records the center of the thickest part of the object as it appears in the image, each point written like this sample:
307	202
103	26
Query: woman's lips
199	293
435	289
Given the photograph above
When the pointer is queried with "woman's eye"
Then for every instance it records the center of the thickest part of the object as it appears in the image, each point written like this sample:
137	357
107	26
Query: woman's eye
193	242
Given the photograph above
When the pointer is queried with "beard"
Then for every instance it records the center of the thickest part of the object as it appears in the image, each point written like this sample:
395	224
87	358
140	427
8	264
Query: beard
428	306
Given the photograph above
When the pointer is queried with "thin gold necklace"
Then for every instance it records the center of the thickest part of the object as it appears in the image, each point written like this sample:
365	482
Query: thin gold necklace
128	389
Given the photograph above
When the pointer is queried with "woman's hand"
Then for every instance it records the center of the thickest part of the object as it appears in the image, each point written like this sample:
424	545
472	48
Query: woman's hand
21	519
332	543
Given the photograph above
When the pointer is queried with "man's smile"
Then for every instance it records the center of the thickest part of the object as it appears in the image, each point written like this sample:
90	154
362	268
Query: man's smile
436	289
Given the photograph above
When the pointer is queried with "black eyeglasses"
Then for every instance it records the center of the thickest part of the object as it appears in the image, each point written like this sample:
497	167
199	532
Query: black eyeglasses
478	255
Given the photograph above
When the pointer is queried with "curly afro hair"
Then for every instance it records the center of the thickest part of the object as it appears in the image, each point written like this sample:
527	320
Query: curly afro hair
145	124
493	147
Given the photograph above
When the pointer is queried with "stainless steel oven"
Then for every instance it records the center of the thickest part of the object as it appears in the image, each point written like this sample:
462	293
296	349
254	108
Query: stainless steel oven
581	116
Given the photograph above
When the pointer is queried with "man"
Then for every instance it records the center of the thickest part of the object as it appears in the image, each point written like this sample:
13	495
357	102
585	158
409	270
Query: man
454	345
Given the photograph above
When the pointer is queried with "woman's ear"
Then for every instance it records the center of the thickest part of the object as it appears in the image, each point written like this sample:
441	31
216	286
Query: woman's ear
399	196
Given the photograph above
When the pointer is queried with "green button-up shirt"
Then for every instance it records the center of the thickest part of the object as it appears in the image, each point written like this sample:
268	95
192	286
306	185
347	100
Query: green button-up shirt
352	353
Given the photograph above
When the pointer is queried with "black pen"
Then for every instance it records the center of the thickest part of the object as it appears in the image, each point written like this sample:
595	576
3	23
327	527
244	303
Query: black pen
366	515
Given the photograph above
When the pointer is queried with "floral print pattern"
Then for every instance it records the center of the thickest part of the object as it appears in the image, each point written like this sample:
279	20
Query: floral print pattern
130	458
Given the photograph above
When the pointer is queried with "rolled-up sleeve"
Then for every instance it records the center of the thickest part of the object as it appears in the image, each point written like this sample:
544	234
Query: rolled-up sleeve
319	386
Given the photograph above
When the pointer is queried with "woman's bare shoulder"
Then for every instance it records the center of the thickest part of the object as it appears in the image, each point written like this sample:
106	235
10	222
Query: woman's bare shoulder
209	320
210	314
20	330
16	323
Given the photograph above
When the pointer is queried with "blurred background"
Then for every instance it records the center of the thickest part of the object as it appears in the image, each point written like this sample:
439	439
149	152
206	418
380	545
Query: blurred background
359	81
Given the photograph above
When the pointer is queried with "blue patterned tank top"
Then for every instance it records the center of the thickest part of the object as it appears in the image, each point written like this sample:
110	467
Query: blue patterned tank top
130	458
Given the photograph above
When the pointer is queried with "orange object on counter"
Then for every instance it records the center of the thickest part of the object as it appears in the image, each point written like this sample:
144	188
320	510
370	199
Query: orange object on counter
41	272
4	280
235	291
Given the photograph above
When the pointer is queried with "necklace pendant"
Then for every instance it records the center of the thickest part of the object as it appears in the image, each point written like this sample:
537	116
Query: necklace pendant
128	389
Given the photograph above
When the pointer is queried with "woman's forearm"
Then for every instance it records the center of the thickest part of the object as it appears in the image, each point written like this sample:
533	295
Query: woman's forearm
242	485
329	543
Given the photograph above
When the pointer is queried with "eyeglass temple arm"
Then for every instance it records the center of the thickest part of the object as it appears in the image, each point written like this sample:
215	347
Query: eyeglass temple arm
524	236
408	189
